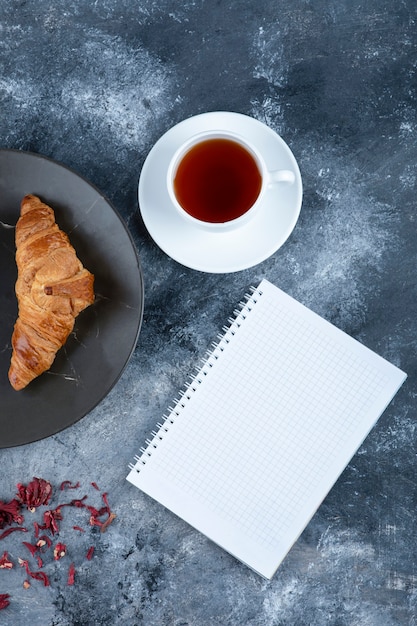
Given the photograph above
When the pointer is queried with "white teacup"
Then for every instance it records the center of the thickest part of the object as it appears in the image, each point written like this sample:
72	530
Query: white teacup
217	179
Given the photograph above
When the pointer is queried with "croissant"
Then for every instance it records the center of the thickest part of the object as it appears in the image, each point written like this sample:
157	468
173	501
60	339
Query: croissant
52	288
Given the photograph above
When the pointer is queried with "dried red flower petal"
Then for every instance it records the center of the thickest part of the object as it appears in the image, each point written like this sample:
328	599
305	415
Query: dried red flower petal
105	499
11	530
38	492
107	523
77	502
4	600
67	484
96	514
71	574
31	547
51	519
42	541
34	548
10	513
5	562
41	576
60	550
37	575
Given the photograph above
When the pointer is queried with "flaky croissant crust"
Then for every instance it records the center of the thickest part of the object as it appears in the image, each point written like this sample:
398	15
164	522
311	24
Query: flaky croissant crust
52	288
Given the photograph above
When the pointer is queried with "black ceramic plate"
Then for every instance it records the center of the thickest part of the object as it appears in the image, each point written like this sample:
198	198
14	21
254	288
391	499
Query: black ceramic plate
105	334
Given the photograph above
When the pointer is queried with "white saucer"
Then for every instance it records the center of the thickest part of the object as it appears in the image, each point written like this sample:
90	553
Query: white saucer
220	252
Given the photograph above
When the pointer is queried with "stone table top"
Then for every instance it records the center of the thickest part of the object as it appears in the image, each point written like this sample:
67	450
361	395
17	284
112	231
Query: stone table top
94	86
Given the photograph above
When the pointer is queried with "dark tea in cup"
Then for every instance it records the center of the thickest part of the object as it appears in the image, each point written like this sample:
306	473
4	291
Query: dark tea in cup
217	180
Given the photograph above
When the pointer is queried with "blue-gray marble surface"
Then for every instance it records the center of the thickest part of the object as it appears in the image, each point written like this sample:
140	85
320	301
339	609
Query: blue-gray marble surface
93	85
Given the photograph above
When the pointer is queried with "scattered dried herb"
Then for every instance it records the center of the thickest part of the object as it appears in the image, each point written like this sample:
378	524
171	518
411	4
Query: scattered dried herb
71	574
11	530
105	510
77	502
95	514
43	541
31	547
10	513
5	562
60	550
51	519
67	484
37	575
37	493
4	600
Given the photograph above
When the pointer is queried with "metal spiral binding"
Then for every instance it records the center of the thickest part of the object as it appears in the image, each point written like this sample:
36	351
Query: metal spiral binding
203	370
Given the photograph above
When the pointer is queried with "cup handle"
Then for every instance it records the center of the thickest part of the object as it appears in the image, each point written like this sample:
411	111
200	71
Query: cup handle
281	176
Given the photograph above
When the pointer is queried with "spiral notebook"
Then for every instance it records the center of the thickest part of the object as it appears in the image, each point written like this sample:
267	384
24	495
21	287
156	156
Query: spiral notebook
264	429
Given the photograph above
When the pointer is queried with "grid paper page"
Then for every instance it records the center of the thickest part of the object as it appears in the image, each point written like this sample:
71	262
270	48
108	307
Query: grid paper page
266	428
